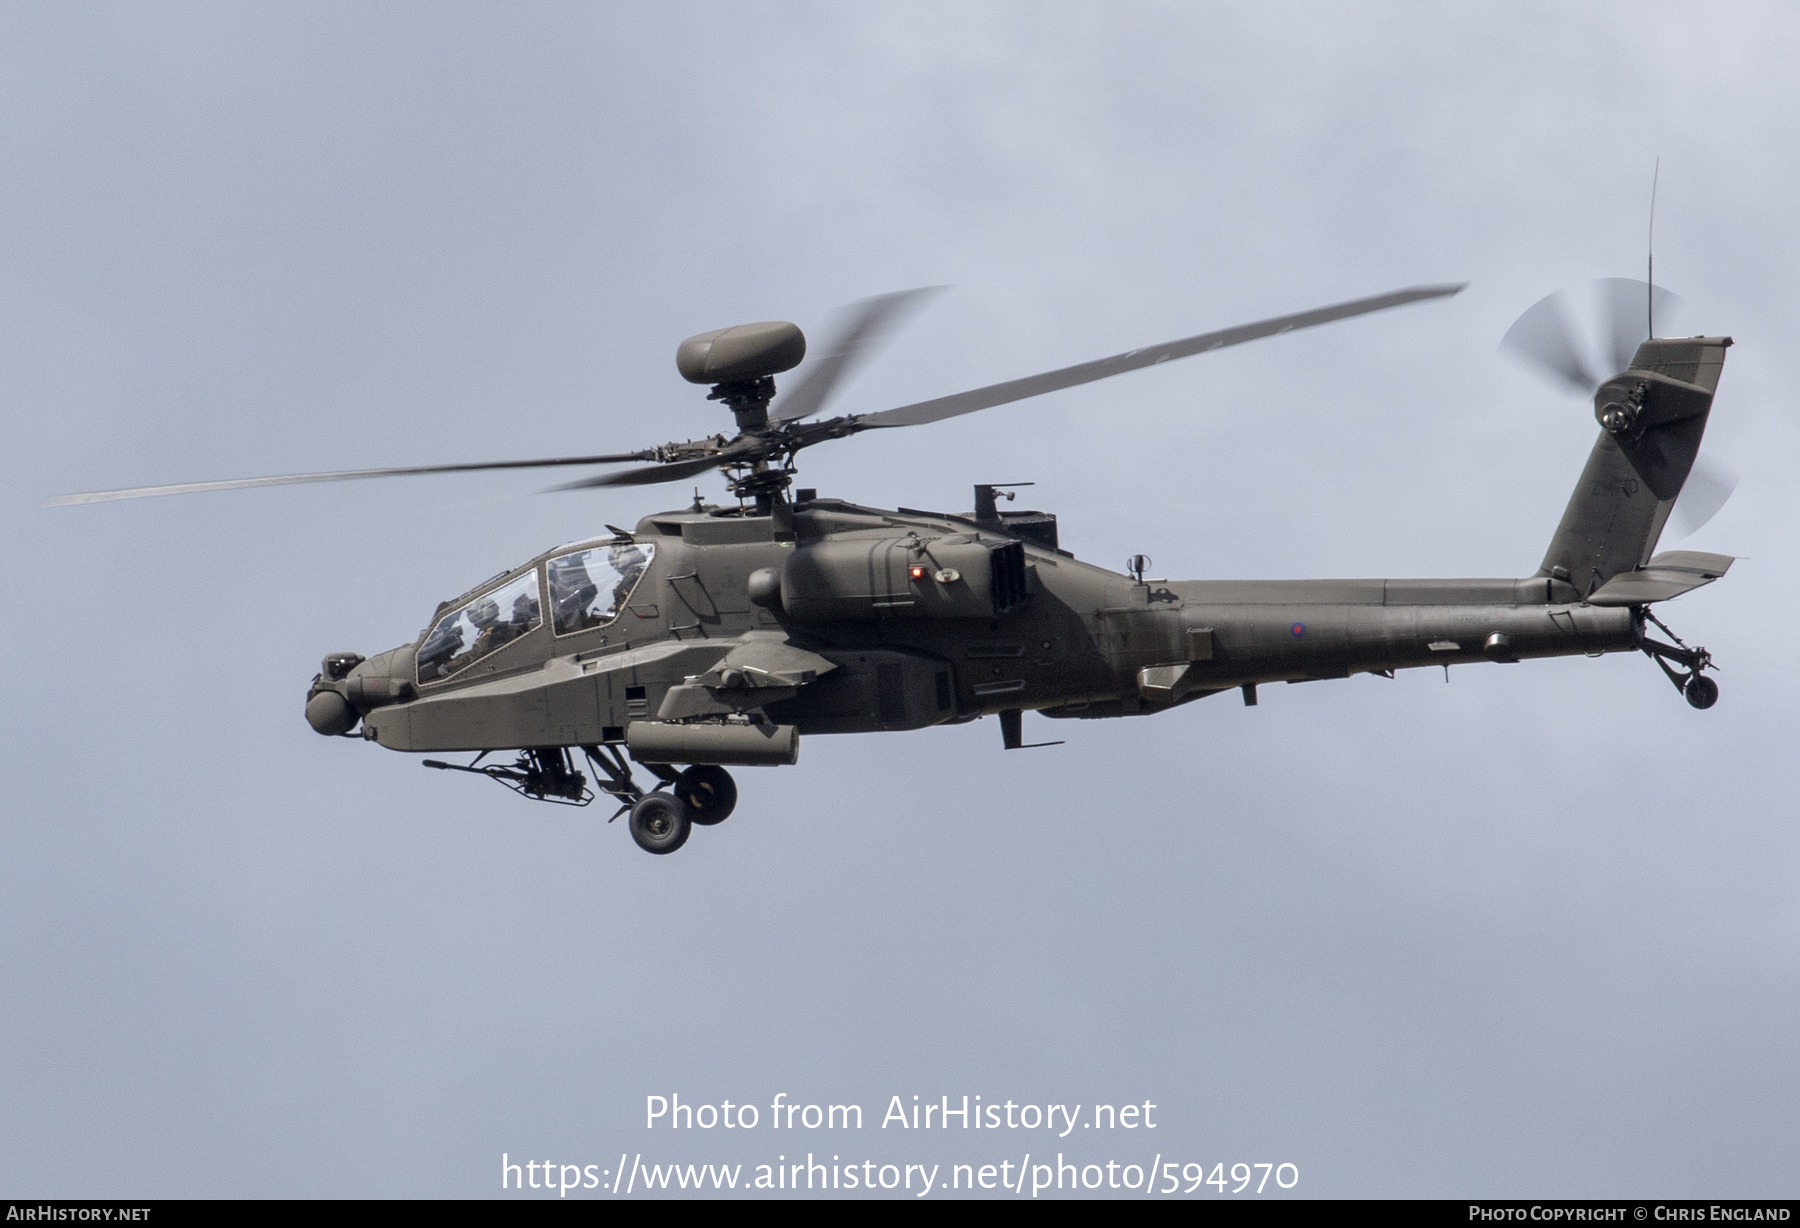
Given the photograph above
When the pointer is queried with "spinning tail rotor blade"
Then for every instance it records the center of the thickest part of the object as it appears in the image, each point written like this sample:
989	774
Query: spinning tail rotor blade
344	475
1132	360
1545	336
1624	317
1702	496
865	326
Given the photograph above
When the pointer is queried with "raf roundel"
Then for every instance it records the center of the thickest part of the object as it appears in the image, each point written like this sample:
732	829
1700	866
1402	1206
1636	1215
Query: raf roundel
1297	630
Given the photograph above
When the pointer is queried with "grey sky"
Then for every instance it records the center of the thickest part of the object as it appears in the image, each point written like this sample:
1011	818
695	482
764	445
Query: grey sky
1536	931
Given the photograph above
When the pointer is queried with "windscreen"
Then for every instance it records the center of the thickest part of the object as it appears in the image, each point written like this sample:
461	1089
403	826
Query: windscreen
462	637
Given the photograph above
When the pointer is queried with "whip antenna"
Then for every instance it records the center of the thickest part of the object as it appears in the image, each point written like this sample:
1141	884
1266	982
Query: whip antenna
1650	254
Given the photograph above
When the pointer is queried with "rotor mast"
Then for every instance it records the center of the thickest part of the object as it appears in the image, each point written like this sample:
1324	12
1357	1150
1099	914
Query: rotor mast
748	401
741	364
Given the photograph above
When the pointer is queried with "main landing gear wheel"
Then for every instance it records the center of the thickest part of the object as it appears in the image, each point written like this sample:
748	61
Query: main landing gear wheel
708	792
1701	691
660	823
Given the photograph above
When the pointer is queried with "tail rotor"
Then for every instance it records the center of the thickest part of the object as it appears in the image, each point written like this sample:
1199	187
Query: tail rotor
1615	315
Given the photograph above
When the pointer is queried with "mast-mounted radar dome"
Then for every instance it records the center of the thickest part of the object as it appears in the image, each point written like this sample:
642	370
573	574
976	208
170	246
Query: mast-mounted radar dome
742	352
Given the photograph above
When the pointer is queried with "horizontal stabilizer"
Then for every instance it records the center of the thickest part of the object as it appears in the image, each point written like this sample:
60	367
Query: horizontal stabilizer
1669	574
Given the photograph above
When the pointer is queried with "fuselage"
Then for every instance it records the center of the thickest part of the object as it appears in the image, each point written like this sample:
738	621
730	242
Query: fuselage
833	618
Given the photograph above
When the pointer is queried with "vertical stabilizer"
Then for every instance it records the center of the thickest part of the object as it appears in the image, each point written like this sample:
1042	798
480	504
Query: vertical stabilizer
1652	417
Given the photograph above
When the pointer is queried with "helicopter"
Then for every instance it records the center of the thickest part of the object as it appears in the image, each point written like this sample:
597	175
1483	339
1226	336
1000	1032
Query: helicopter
717	635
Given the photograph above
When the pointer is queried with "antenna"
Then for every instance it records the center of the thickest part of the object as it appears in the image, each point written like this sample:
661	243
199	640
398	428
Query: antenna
1650	254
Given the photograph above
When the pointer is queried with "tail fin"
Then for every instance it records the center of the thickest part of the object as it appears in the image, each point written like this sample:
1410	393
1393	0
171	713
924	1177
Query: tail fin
1652	417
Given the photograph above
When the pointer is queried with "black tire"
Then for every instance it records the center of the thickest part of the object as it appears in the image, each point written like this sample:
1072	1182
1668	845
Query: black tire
708	792
660	823
1701	691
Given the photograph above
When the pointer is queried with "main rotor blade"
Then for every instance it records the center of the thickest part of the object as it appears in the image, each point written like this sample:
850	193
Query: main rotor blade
866	324
342	475
648	475
1133	360
1544	335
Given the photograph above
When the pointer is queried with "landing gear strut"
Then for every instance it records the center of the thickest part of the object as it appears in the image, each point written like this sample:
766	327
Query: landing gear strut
611	762
1699	690
660	822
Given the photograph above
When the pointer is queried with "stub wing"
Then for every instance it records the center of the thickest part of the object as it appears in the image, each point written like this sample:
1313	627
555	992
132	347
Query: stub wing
761	669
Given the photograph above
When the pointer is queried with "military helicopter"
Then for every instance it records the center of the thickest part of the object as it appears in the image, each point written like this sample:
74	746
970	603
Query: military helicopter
715	636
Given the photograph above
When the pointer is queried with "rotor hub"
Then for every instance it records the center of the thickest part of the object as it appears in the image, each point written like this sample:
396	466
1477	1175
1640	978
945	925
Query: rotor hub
1618	417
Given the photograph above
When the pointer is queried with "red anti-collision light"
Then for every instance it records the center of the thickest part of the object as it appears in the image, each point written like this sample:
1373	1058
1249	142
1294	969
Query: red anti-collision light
918	573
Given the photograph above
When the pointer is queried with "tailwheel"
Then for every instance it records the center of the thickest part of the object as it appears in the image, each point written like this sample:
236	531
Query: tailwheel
660	823
708	792
1701	691
1687	672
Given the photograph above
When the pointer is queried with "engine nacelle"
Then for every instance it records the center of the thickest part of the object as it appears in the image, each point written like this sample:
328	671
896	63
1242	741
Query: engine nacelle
904	577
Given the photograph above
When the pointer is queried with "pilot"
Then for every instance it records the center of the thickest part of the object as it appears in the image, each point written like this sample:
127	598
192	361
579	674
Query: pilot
628	562
571	588
490	632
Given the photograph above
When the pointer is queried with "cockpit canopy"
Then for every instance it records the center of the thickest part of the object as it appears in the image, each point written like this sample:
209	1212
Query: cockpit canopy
586	587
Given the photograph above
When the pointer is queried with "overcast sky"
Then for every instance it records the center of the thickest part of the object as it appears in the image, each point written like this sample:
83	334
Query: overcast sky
1533	932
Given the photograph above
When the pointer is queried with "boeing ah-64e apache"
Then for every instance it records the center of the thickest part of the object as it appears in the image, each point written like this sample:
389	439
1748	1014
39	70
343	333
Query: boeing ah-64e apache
715	636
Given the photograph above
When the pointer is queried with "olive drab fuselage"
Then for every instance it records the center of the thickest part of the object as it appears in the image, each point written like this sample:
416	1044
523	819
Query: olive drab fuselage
835	618
719	636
